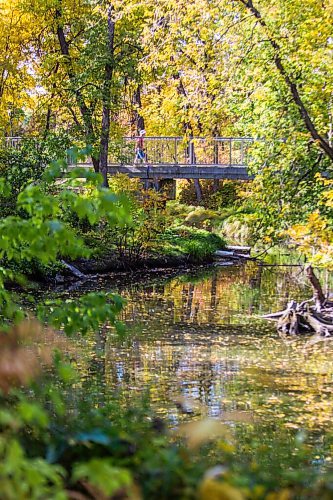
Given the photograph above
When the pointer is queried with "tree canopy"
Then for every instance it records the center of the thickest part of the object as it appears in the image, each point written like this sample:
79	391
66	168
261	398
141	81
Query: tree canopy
260	68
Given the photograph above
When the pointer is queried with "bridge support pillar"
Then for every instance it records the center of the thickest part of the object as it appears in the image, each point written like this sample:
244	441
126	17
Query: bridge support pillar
198	190
166	186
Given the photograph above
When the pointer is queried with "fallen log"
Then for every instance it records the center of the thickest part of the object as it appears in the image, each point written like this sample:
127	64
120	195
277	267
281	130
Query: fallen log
239	249
226	253
274	316
232	255
319	326
81	277
302	318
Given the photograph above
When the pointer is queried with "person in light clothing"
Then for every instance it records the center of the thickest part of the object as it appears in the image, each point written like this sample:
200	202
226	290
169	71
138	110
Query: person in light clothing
140	155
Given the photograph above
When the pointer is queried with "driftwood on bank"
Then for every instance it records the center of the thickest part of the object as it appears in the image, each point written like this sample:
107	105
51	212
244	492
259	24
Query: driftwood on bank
246	250
74	270
235	253
310	316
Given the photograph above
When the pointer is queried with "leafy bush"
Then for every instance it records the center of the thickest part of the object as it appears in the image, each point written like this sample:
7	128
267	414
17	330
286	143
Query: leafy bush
238	227
202	218
26	164
197	244
17	169
225	195
129	242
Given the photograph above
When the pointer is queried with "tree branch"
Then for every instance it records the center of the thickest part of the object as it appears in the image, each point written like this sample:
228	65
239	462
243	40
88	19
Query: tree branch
324	145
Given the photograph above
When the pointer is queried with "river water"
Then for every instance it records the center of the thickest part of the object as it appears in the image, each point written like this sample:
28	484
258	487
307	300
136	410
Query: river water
195	346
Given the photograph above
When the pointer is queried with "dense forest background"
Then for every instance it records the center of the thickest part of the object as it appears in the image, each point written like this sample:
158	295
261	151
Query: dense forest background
76	76
92	72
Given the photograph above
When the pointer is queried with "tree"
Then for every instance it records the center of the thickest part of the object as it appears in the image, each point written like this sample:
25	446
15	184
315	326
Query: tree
285	73
278	86
16	81
83	55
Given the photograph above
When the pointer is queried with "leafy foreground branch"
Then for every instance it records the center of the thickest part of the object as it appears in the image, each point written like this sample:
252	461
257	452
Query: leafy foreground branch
58	441
304	318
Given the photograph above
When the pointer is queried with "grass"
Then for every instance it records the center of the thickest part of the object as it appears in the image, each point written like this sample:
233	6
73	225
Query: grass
198	245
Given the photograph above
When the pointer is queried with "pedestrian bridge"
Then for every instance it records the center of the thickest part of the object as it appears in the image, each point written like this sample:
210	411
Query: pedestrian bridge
181	158
175	157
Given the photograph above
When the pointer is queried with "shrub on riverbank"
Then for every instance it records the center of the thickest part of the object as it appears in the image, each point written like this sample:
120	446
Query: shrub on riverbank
198	245
172	247
232	223
155	234
226	209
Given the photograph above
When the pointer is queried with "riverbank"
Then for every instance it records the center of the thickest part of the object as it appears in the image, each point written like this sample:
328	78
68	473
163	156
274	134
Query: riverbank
109	264
112	263
175	248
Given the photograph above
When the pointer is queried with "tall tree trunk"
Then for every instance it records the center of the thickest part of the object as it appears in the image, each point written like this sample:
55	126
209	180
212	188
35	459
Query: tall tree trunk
85	110
309	124
4	73
106	111
138	118
47	122
49	107
198	190
188	130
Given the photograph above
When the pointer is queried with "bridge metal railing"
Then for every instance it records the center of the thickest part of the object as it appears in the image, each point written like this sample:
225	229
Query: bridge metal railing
217	151
10	142
172	151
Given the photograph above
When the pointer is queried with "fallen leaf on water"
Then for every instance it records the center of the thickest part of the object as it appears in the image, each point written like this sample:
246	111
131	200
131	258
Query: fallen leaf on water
201	431
238	416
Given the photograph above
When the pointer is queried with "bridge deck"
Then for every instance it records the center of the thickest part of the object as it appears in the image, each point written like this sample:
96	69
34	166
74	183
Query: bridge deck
181	171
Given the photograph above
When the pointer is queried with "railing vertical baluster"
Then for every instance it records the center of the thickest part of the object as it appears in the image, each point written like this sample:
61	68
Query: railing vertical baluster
176	158
230	153
216	151
192	160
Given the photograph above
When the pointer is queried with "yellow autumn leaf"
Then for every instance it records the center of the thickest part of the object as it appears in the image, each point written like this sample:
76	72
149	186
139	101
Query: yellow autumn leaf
215	490
284	494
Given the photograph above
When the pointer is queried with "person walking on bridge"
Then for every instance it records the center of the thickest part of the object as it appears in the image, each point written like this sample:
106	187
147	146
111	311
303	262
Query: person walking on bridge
140	155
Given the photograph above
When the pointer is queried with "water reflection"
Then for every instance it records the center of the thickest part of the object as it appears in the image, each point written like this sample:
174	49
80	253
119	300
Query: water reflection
199	336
